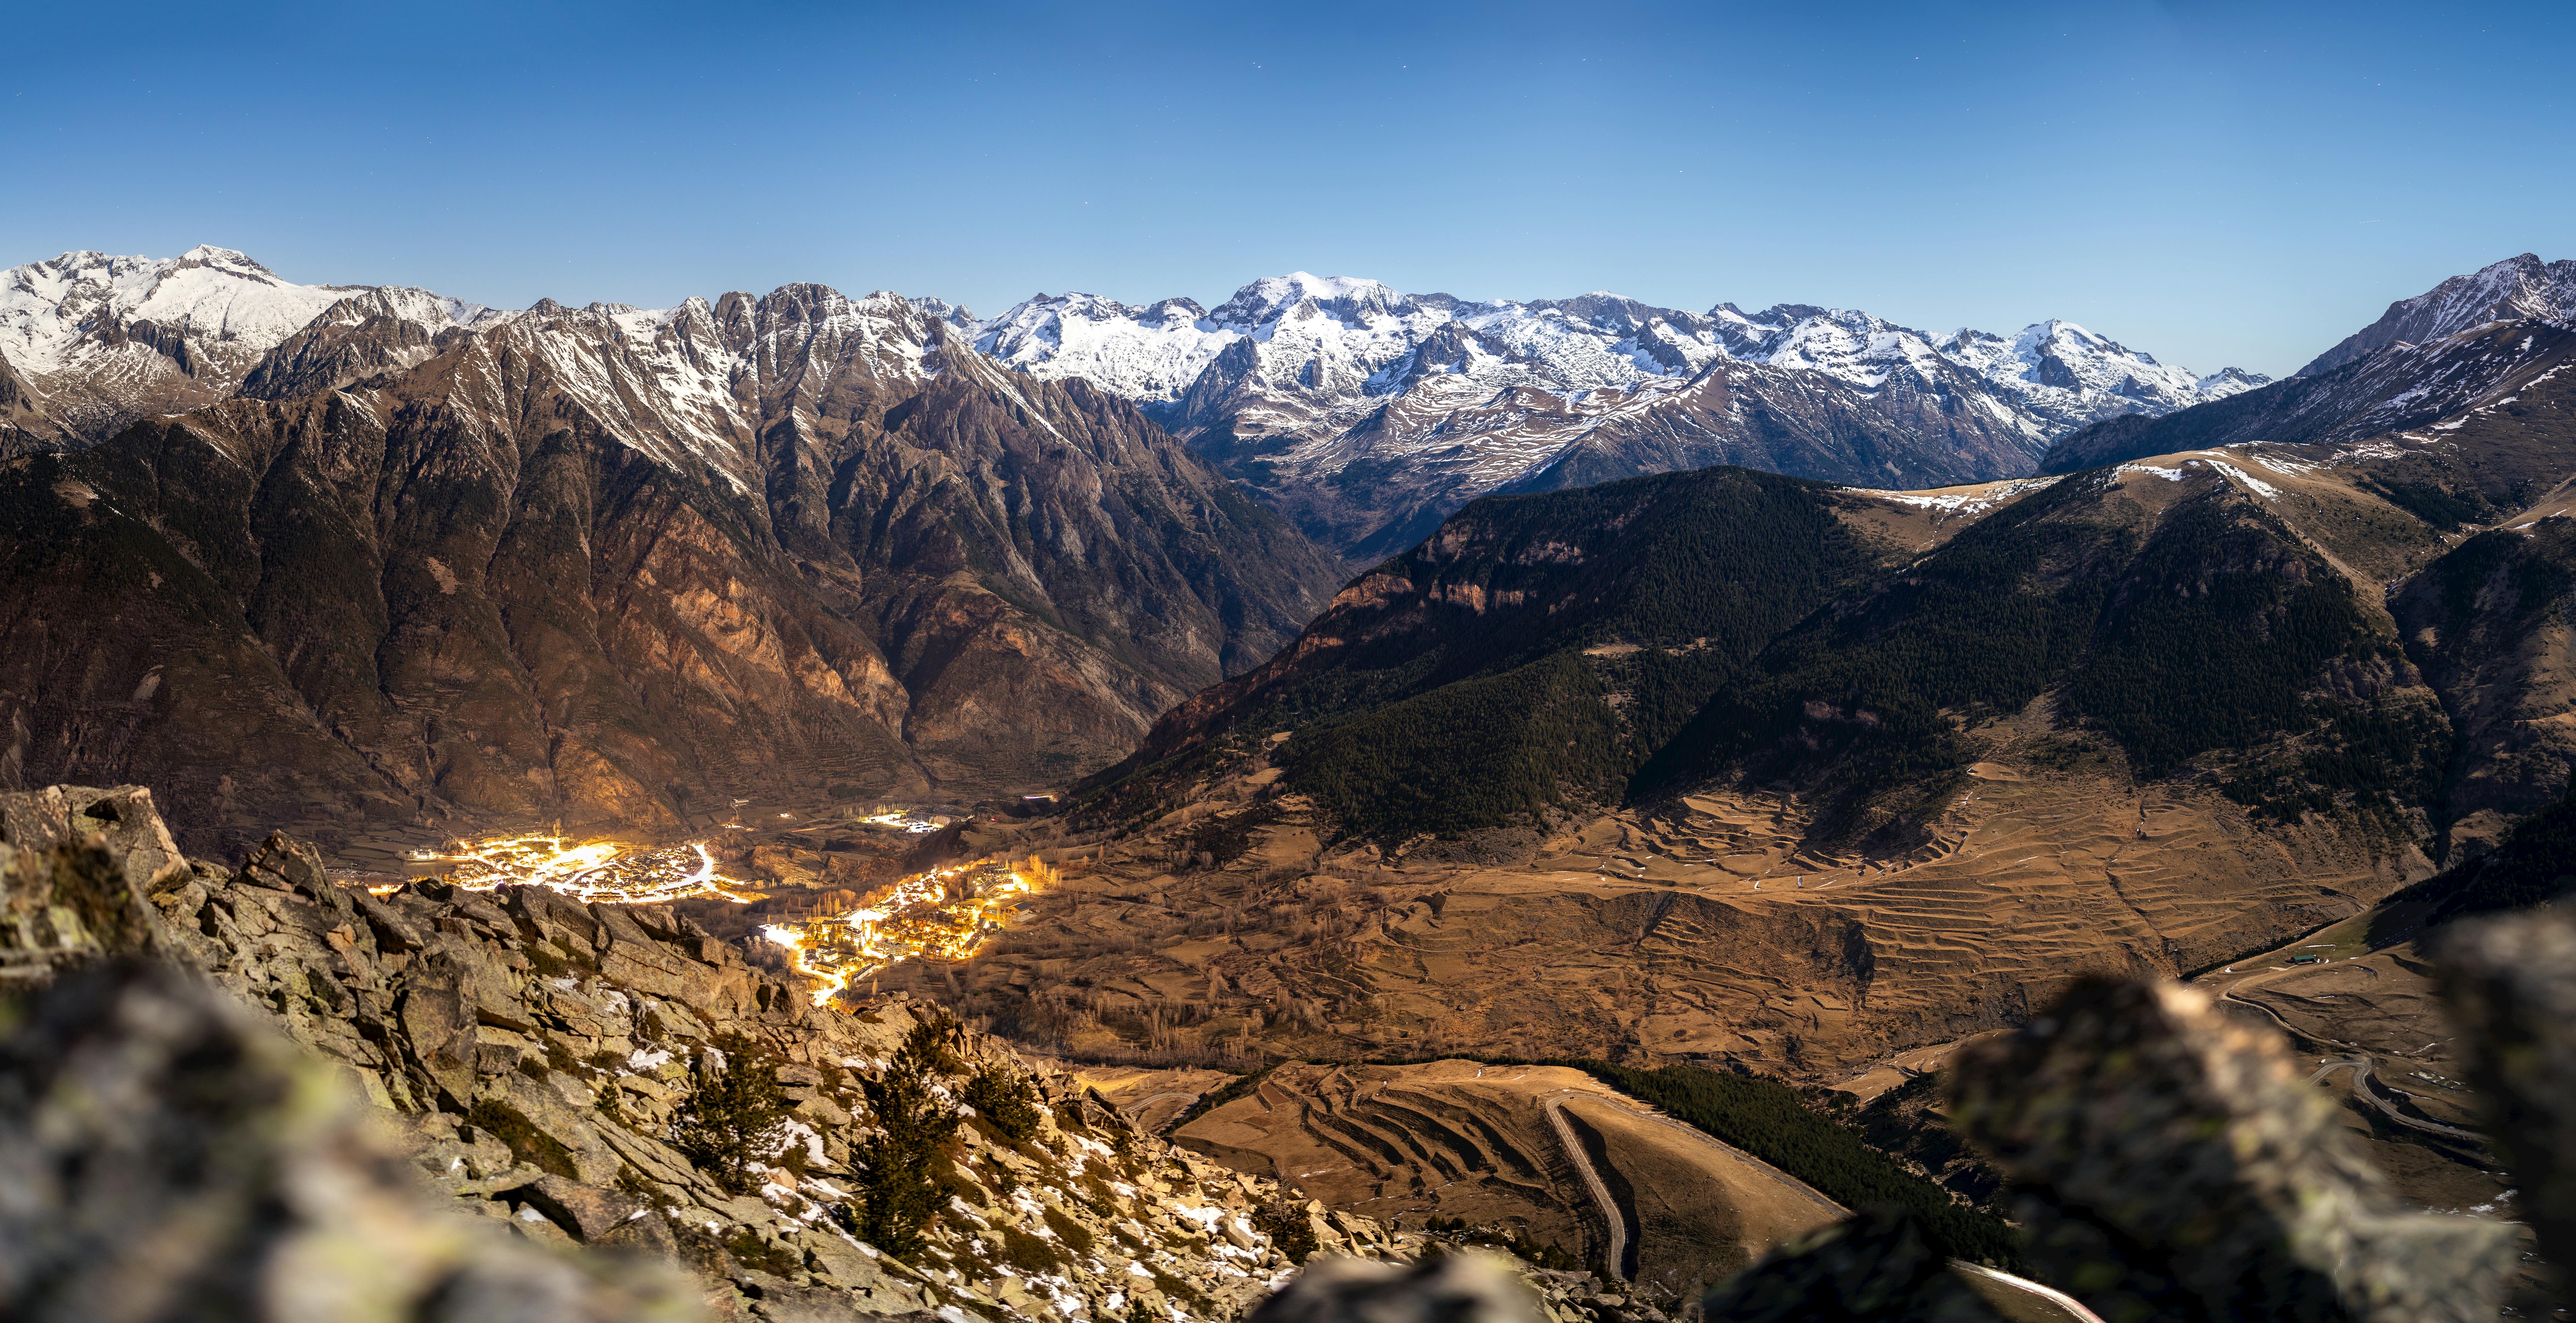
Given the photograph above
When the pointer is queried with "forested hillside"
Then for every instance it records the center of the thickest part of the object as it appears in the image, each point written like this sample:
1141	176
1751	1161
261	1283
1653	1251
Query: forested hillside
2179	621
1535	650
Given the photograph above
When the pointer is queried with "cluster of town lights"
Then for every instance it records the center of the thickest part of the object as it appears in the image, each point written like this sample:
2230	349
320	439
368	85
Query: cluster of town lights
943	914
590	870
946	913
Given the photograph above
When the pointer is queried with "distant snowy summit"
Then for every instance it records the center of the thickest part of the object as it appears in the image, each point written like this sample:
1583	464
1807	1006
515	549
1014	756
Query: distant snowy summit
1360	339
1366	413
99	341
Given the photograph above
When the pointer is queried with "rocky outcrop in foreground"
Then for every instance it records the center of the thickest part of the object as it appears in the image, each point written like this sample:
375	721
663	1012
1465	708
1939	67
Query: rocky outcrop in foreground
2176	1164
540	1063
167	1156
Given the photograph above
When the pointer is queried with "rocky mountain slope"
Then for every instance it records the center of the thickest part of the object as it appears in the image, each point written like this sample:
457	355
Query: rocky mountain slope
2498	391
548	1065
1369	414
2515	289
607	565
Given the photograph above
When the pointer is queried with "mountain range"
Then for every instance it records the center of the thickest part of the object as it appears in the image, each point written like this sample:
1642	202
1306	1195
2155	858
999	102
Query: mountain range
1363	413
1614	753
1367	414
607	563
428	563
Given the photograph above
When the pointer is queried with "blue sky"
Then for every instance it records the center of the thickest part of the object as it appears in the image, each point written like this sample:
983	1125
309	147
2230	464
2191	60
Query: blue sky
2215	183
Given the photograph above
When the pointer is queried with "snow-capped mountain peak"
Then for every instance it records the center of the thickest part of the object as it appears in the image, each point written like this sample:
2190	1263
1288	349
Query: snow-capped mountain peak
1297	366
1311	373
941	310
2518	286
1345	299
102	339
52	311
1147	354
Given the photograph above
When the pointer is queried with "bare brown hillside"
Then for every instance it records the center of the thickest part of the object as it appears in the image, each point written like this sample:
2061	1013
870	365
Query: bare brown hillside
1706	934
1533	1149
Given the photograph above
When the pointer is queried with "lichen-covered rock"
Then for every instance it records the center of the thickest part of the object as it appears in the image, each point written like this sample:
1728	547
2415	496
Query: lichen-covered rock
1471	1287
76	866
164	1156
2170	1163
2511	986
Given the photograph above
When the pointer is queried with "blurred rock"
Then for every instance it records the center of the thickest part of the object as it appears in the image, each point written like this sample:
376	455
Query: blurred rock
1470	1287
2511	985
164	1156
2169	1163
76	869
1874	1266
124	816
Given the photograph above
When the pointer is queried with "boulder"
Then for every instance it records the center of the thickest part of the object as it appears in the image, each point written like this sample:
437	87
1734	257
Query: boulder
2511	986
69	899
1471	1287
2173	1163
124	817
166	1157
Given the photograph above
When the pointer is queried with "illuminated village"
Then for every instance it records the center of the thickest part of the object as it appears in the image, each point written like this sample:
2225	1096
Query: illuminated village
944	914
590	871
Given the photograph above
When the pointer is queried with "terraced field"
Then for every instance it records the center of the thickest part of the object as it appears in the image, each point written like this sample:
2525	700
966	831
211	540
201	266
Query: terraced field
1548	1152
1704	935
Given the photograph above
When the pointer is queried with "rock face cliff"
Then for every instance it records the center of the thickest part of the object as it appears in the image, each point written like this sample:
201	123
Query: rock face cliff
603	566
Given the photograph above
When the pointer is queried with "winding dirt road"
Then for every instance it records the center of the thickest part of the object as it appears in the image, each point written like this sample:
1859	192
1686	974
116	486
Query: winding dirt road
1618	1254
2360	1067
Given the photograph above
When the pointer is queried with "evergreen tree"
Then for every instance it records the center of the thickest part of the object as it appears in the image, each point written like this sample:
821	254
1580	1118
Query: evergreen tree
1002	1097
735	1116
899	1185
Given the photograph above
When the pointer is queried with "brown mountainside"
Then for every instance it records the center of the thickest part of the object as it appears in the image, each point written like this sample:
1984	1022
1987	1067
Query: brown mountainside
1512	794
583	564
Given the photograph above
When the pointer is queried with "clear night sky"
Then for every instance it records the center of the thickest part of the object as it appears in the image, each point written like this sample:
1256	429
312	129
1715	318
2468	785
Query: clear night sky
2215	183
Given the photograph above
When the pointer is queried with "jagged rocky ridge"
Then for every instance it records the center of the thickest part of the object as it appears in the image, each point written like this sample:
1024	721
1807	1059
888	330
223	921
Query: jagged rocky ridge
2518	288
602	565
